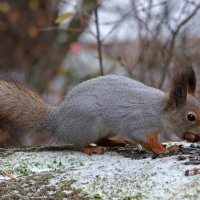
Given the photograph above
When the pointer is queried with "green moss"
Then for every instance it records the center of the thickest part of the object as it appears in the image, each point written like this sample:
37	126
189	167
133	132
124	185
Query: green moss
23	169
119	190
60	164
37	164
50	166
138	196
97	197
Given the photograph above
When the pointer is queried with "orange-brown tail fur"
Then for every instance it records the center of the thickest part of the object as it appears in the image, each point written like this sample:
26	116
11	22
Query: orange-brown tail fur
20	109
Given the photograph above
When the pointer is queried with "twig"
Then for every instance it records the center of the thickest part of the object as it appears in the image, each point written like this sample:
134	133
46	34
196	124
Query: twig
98	40
55	28
7	173
118	22
185	187
193	171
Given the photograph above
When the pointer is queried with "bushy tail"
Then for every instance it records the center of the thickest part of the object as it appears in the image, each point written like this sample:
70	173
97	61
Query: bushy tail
20	108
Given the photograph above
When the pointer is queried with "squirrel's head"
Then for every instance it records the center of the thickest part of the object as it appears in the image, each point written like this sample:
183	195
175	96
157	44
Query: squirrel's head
182	111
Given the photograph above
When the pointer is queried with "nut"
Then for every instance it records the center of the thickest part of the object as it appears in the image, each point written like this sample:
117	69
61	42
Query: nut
191	137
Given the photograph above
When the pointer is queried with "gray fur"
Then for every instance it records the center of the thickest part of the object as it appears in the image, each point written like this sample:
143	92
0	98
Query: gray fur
107	106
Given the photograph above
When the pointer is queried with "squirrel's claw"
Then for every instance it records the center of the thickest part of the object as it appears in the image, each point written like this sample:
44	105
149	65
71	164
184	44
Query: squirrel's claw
94	149
152	144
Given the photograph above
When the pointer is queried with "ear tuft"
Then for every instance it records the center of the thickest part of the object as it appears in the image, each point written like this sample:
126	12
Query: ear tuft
192	81
182	83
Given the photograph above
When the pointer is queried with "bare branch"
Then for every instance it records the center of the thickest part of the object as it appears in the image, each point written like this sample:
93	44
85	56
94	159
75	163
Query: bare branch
126	15
98	40
172	43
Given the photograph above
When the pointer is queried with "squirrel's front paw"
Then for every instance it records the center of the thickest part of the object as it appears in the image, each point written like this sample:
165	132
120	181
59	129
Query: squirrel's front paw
152	144
94	150
191	137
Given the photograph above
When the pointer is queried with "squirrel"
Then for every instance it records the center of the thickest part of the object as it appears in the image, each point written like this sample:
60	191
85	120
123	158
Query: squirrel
103	107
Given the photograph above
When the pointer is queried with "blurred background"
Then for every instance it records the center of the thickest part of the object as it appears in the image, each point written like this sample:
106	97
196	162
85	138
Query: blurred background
52	45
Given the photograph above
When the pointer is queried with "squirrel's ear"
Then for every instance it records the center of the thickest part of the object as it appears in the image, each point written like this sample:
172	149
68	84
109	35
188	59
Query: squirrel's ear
192	81
177	96
181	83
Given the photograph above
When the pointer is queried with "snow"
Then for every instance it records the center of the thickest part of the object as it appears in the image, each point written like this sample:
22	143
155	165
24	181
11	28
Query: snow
108	176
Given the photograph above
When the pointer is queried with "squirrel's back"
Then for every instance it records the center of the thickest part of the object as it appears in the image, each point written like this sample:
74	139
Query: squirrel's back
113	91
110	104
114	84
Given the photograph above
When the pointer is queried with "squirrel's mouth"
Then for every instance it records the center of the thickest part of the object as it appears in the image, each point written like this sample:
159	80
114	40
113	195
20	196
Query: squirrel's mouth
191	137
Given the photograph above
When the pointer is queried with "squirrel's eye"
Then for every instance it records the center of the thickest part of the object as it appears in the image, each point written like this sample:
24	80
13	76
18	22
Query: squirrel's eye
191	116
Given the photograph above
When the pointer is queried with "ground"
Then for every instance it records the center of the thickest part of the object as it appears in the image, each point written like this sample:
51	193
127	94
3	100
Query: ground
123	173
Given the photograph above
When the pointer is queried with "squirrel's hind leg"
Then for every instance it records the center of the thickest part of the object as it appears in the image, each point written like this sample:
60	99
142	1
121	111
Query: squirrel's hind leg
94	150
102	144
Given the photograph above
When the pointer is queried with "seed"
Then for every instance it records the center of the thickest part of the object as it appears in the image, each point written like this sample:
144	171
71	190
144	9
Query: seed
192	162
181	157
193	145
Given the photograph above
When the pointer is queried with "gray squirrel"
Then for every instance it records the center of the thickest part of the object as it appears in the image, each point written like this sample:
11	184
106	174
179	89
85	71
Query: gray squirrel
104	107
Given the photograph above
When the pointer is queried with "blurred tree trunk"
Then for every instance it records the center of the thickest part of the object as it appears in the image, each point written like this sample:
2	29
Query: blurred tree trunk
24	47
